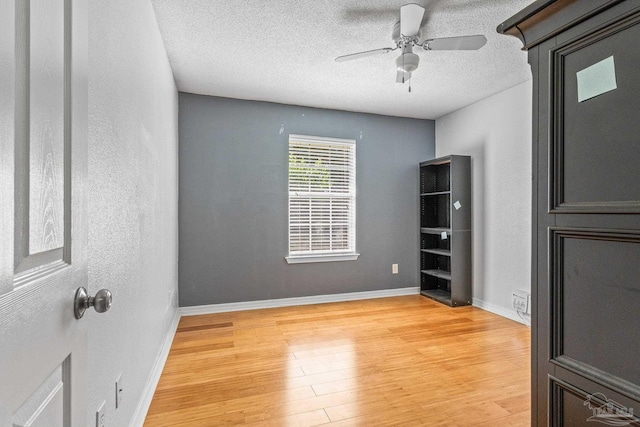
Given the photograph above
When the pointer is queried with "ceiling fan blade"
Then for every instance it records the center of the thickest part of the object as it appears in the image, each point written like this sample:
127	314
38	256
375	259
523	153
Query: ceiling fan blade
410	19
456	43
363	54
402	77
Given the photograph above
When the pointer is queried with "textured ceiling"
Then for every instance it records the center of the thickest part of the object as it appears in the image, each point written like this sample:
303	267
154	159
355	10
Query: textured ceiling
283	51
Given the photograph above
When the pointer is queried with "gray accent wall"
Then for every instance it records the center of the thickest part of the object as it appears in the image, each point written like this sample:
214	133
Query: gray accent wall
233	211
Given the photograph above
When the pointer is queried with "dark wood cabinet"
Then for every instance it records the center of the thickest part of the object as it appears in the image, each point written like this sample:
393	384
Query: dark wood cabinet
445	230
586	209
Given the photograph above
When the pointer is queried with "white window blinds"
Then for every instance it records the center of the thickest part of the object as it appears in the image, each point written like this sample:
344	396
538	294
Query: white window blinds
322	194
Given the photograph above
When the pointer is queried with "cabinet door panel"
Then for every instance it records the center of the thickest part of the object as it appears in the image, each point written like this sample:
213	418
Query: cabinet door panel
595	296
594	140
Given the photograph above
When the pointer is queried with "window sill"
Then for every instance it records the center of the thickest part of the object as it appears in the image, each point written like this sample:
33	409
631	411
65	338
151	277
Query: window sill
300	259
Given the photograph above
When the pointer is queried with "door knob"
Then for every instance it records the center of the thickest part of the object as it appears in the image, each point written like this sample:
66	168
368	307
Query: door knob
101	302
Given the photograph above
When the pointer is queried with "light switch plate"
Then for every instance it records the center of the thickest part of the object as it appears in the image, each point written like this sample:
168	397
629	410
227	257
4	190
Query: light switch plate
100	422
119	390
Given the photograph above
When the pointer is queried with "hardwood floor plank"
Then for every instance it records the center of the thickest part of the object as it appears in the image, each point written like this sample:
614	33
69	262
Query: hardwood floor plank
305	419
204	327
393	361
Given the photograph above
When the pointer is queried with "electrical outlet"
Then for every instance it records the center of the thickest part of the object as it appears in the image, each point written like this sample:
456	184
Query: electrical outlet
170	299
394	268
100	422
119	391
520	300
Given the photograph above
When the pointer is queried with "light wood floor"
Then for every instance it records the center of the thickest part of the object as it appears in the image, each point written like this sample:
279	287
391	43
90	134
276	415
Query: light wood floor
403	361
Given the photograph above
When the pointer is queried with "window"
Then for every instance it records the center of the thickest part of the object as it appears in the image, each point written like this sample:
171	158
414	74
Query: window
322	199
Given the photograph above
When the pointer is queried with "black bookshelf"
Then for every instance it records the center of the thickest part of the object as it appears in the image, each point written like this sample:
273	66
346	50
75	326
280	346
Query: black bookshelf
445	230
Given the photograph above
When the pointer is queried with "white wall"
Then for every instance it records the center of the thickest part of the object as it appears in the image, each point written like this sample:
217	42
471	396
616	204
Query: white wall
133	196
496	133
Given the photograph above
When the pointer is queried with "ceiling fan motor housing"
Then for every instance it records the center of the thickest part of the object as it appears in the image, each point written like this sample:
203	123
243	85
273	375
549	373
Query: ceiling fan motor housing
397	36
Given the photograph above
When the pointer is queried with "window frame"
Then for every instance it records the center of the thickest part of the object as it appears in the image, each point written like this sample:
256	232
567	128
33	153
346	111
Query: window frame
332	255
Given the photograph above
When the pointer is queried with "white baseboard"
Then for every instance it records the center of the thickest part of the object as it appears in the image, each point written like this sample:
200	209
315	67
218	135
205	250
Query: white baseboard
288	302
150	388
500	311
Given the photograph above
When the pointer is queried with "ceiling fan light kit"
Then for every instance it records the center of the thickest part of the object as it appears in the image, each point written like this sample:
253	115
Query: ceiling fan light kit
405	35
407	62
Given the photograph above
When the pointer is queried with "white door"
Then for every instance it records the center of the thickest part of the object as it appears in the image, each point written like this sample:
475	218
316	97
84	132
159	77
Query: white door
43	236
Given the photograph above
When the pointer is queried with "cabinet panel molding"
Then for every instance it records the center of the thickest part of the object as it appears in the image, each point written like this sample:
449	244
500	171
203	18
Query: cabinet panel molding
591	141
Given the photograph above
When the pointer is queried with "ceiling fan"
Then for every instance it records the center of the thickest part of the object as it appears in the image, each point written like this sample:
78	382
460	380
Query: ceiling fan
405	36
